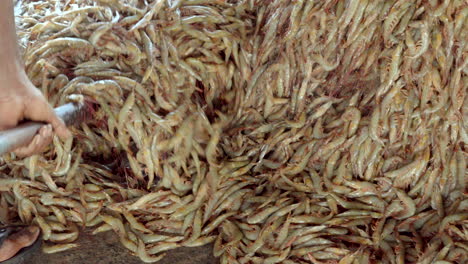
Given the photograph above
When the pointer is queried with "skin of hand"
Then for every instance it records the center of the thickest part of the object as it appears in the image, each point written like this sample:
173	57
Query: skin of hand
19	98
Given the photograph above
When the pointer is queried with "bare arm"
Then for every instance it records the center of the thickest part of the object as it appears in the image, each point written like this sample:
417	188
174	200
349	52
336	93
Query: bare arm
11	71
19	98
9	57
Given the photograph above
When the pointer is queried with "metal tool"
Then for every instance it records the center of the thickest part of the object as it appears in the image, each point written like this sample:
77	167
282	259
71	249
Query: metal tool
22	135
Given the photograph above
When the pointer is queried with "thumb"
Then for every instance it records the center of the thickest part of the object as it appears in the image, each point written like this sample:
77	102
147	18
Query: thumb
59	126
40	110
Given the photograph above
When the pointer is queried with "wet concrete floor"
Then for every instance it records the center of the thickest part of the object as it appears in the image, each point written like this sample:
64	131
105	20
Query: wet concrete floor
105	248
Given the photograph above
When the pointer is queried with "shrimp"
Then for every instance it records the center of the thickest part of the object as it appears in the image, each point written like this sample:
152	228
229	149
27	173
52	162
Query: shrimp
408	205
145	256
52	249
374	126
423	43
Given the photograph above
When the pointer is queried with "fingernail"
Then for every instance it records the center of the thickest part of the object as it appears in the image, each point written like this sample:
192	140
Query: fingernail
46	130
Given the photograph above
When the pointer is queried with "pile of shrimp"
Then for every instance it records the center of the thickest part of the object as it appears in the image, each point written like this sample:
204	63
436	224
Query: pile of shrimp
281	131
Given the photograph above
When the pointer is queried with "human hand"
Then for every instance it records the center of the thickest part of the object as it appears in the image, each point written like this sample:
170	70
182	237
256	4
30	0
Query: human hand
21	100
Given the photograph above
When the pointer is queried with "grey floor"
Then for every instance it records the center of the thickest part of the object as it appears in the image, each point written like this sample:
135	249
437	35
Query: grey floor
105	248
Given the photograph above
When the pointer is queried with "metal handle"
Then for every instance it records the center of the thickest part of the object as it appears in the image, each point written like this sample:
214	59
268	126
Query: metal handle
23	134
